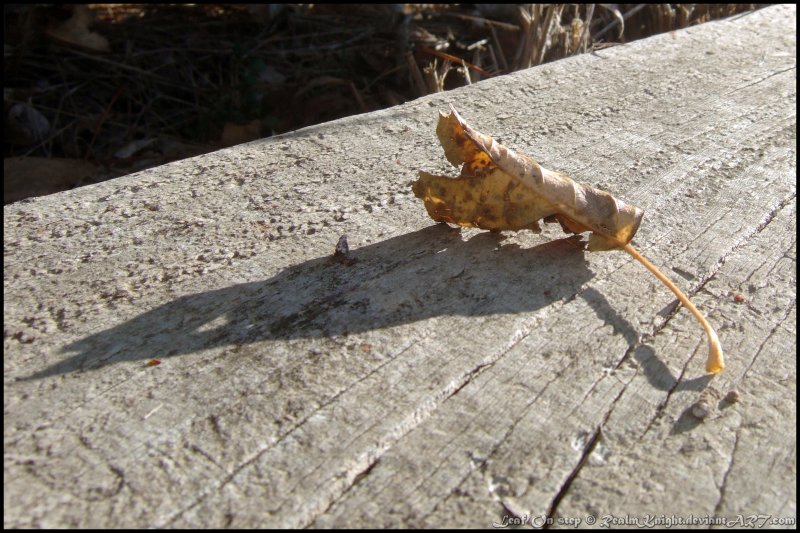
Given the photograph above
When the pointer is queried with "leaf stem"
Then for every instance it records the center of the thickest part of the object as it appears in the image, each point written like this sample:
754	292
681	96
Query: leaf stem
716	361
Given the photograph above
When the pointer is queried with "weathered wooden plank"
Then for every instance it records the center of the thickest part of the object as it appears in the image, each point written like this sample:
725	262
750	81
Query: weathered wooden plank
444	378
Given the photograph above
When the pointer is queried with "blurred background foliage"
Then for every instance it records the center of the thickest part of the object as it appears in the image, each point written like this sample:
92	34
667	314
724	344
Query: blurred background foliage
97	91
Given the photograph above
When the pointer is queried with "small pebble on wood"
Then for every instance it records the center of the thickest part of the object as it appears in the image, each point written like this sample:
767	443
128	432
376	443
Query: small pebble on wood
705	404
733	396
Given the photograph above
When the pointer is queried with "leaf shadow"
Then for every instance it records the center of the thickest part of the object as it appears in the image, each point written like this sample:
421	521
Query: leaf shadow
655	370
412	277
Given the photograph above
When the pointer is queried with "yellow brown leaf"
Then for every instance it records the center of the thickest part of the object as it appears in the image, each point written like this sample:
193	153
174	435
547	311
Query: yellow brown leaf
499	189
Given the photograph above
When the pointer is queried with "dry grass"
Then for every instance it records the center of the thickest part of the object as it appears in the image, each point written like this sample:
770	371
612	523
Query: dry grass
177	77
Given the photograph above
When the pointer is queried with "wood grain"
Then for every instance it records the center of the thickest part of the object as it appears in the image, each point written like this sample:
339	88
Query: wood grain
441	378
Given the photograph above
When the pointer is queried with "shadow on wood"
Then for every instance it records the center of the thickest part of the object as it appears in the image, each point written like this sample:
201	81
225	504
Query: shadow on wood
657	373
428	273
419	275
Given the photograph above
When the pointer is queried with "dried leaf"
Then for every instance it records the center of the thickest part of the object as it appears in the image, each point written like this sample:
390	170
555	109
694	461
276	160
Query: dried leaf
499	189
75	31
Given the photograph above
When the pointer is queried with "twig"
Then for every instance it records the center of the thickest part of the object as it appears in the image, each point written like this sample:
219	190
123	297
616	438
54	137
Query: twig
620	19
357	95
491	23
500	54
585	35
416	75
453	59
465	70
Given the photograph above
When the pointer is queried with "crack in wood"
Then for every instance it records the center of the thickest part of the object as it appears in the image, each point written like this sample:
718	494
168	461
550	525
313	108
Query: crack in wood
765	78
422	413
283	437
743	242
466	379
416	417
770	335
483	463
359	477
472	374
587	450
718	505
